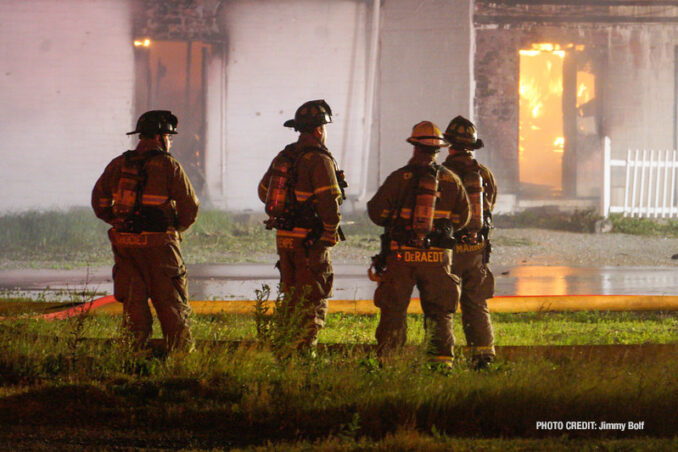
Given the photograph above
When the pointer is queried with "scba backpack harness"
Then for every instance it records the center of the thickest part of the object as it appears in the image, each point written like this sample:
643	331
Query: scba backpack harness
127	205
284	210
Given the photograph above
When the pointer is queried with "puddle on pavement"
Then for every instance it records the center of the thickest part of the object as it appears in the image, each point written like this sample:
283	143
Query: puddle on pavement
238	282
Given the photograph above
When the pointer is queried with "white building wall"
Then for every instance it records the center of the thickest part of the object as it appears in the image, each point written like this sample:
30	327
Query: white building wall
638	94
425	71
282	53
639	91
279	55
67	88
66	95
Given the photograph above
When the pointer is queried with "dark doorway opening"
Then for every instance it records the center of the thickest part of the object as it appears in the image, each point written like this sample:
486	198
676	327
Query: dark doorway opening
172	75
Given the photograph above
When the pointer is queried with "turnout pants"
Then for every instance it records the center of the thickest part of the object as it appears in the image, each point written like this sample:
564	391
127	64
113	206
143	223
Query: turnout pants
157	272
306	279
439	292
477	285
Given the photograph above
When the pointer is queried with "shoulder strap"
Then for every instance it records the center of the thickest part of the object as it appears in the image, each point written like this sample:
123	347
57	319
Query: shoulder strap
137	160
408	188
339	174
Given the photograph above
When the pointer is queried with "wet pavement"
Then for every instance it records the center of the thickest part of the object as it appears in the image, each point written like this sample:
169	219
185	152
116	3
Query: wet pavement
239	281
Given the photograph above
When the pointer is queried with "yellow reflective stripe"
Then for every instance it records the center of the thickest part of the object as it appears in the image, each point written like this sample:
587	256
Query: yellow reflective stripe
333	188
396	246
296	233
442	213
154	200
105	202
263	186
405	213
385	213
302	195
454	217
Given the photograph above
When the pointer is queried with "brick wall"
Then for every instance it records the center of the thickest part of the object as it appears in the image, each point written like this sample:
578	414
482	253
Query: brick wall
633	59
66	94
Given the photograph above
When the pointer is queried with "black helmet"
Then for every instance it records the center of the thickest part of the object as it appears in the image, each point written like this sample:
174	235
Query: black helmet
156	122
461	132
310	115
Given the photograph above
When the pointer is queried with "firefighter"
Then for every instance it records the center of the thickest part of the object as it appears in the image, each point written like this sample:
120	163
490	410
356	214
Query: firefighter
302	191
472	250
420	205
147	198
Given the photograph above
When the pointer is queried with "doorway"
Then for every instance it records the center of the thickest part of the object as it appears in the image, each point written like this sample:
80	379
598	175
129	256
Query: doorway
172	75
542	142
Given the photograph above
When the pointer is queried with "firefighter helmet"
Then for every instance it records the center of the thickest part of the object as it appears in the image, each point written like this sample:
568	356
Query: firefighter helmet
427	134
462	132
156	122
310	115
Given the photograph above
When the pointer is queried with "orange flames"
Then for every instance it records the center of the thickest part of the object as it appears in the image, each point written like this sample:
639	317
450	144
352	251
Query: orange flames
541	116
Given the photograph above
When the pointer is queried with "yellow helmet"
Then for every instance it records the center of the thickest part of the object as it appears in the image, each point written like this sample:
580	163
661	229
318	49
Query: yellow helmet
427	134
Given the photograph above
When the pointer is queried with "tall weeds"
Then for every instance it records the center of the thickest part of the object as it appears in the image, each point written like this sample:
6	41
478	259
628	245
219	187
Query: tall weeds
283	328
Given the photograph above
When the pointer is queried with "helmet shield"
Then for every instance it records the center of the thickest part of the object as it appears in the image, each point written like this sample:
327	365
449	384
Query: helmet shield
156	122
427	134
462	132
310	115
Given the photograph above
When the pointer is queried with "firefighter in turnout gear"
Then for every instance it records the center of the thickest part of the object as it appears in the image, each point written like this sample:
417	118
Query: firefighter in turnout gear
302	191
147	198
472	250
420	206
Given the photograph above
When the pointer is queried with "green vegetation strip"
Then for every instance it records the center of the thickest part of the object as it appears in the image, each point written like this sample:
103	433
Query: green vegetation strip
247	396
76	238
105	438
552	328
71	377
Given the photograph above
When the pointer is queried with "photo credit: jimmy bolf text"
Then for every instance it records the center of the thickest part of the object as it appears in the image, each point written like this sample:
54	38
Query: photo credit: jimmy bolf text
589	425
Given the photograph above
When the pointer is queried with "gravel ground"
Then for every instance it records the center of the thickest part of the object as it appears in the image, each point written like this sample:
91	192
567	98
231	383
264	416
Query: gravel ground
545	247
509	247
557	248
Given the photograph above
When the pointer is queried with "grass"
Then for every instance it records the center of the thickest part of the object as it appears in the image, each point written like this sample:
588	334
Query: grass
60	389
402	440
644	226
76	238
572	328
246	397
550	218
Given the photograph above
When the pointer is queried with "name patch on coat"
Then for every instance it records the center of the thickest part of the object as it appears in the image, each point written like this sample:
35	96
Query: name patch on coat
464	248
132	240
285	243
421	257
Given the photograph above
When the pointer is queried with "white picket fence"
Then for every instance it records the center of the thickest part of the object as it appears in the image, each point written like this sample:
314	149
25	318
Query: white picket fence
649	183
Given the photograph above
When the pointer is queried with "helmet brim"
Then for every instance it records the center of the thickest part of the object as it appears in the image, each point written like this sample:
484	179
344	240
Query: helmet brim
433	142
474	146
162	132
290	123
